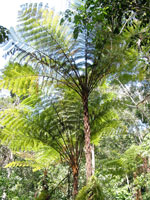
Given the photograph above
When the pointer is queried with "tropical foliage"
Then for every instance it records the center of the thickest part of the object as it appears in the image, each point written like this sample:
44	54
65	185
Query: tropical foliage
79	93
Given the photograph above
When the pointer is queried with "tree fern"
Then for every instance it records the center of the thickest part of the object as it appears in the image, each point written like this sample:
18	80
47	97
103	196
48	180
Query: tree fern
40	124
50	49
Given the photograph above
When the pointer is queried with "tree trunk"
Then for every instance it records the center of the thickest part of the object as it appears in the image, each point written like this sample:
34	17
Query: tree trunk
87	133
75	171
93	159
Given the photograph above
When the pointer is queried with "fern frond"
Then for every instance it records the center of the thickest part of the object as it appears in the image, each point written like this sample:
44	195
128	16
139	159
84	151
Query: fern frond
38	160
92	190
21	80
18	164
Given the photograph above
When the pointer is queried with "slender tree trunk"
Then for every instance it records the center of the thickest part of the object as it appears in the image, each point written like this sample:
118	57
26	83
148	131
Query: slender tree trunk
93	159
75	170
87	134
128	183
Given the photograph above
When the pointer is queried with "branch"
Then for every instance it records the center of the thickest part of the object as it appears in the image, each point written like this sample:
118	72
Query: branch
126	22
126	91
141	102
136	104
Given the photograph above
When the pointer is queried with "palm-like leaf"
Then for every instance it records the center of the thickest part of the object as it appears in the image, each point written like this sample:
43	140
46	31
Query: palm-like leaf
50	48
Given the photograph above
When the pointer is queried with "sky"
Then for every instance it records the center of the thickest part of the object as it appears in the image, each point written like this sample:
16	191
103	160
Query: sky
9	10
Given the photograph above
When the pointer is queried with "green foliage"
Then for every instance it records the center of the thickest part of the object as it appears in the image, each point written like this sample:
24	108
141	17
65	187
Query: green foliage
22	132
21	184
41	127
113	14
51	53
103	107
35	127
132	158
92	191
49	49
28	122
4	32
128	162
21	80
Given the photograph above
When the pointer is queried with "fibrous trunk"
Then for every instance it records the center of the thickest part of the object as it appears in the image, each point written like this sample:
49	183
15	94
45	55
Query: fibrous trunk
87	133
75	170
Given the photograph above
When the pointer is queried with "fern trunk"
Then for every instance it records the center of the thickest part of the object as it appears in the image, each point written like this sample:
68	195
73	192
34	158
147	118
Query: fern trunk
87	133
75	170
